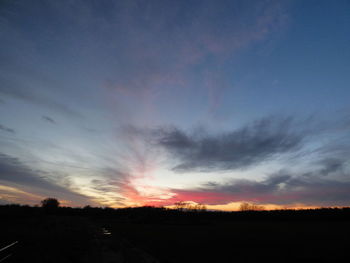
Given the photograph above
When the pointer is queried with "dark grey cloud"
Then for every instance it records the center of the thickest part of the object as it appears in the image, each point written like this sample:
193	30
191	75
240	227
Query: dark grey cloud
6	129
314	190
241	148
332	166
48	119
251	190
15	173
315	187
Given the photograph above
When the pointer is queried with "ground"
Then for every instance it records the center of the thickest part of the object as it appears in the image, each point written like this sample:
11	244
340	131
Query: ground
160	236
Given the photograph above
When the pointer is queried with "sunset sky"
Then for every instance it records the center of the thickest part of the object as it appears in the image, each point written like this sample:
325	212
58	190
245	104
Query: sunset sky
132	103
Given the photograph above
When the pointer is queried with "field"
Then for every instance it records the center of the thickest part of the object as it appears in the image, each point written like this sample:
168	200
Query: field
158	235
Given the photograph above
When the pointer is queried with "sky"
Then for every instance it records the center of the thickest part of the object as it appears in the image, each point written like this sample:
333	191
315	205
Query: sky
134	103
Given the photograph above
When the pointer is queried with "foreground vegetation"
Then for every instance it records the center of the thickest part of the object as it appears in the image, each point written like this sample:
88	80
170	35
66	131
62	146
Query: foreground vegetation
148	234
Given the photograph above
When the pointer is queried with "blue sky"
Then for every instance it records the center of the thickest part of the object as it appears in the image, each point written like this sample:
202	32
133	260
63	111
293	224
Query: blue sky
123	103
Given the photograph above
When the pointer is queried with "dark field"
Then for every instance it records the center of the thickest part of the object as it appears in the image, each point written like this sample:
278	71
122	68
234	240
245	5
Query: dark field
158	235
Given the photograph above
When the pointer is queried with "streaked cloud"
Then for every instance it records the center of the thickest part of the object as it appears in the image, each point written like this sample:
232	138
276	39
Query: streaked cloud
13	173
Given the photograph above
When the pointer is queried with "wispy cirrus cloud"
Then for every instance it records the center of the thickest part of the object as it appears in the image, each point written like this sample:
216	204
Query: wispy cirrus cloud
159	55
28	95
48	119
6	129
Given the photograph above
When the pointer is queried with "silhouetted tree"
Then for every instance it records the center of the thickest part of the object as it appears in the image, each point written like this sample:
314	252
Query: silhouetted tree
50	203
181	205
188	206
200	207
250	207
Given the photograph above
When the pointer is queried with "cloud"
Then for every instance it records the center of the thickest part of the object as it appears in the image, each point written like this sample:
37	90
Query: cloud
331	166
145	50
164	41
14	173
6	129
117	191
240	148
48	119
33	97
282	188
